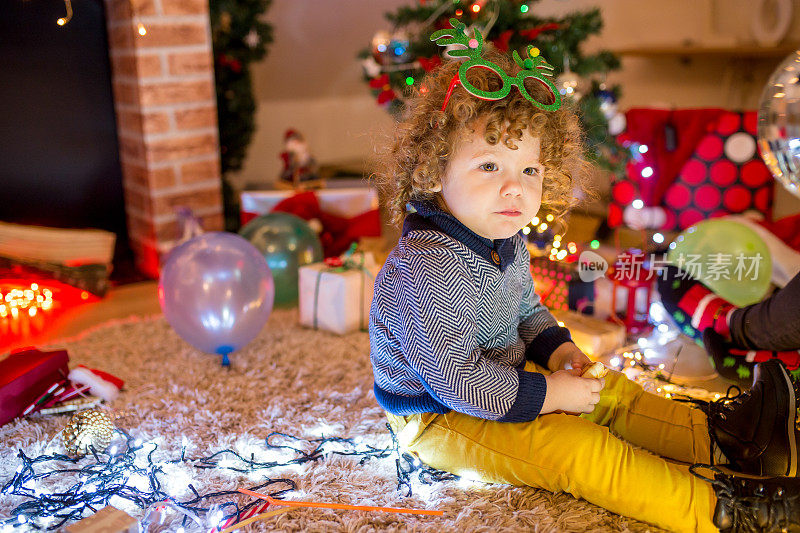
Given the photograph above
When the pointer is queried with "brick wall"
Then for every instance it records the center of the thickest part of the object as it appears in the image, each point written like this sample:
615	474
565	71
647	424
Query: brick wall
166	119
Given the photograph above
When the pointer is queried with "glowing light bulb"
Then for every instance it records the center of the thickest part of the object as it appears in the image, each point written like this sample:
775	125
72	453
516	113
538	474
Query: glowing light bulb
142	30
595	244
643	148
658	238
637	204
535	220
549	218
543	226
647	172
476	8
523	8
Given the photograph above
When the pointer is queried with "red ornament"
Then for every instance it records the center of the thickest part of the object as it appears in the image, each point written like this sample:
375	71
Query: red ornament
386	96
501	43
533	33
429	63
379	82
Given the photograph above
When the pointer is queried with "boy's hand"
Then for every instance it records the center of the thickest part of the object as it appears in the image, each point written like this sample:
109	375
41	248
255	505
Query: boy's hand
567	391
568	356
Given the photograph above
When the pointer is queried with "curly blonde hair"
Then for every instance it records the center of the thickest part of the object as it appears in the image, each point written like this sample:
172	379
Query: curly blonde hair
413	164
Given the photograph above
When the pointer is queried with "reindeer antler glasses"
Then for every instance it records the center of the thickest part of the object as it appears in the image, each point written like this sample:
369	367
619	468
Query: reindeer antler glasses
533	66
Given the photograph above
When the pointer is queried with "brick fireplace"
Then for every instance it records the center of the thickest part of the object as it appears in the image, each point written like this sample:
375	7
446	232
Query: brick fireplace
165	103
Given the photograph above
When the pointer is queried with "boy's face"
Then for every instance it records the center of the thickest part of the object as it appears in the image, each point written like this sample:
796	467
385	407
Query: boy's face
493	190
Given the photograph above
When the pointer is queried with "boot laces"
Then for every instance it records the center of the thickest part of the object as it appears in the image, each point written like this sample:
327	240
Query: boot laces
730	402
734	397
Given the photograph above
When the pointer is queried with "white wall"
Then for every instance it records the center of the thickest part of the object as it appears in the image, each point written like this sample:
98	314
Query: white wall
311	80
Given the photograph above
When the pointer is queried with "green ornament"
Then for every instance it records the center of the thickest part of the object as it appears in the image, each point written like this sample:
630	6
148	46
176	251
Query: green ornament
679	316
795	373
531	66
729	362
688	330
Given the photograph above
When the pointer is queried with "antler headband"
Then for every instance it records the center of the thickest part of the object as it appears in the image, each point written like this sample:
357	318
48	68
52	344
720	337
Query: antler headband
533	66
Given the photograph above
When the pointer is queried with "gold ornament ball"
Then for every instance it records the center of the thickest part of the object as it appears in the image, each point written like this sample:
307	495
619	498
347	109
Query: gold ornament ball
92	427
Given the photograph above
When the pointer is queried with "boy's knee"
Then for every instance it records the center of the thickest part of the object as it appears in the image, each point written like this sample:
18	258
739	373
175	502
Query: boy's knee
619	386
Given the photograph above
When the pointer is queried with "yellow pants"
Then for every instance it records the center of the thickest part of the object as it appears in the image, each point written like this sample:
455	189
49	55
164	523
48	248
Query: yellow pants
579	455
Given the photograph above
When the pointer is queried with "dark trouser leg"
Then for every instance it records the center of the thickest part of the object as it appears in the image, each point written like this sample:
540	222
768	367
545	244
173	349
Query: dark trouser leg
773	324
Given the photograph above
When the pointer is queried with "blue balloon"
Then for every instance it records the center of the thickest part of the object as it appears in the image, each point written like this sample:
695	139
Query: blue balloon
216	291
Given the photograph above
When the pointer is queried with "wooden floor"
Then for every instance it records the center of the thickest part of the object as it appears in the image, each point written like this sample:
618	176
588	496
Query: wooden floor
136	299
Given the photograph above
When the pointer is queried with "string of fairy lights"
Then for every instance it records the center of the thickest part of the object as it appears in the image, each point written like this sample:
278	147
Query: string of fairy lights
129	476
25	300
62	21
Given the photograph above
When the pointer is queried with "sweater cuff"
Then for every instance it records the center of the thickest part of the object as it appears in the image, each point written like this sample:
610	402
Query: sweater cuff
545	343
530	398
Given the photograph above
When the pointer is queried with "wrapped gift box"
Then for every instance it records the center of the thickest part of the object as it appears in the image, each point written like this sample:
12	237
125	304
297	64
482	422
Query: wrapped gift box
594	336
558	285
25	376
336	299
345	202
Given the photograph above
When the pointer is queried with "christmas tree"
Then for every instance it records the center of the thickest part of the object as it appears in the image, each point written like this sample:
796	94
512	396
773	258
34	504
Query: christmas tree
397	60
239	37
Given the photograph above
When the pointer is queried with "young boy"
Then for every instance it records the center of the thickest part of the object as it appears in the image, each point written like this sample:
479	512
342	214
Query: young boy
476	375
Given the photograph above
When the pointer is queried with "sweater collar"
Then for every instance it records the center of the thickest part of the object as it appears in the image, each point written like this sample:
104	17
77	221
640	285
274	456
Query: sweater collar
499	252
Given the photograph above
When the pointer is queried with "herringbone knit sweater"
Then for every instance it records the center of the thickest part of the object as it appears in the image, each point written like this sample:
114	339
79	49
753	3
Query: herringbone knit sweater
453	319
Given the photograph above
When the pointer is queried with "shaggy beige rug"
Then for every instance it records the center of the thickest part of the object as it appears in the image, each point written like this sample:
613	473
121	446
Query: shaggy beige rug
292	380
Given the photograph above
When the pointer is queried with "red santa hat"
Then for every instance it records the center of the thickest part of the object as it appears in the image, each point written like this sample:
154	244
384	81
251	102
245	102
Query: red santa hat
101	384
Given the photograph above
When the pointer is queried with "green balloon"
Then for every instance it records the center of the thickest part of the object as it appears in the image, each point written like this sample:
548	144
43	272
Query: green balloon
287	243
726	249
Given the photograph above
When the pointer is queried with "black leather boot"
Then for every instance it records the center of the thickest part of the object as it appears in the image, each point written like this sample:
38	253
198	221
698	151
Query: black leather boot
757	429
746	505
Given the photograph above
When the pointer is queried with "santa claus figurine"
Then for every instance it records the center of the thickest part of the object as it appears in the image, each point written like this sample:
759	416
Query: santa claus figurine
299	168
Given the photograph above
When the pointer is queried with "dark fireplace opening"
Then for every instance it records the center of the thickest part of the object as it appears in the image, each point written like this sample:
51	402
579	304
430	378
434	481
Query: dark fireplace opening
59	155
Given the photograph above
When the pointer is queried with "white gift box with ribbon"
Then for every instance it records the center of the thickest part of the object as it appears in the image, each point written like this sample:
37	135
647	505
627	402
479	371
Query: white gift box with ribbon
337	298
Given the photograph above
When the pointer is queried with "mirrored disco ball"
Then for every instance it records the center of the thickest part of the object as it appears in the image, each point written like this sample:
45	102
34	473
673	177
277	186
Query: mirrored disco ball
779	123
